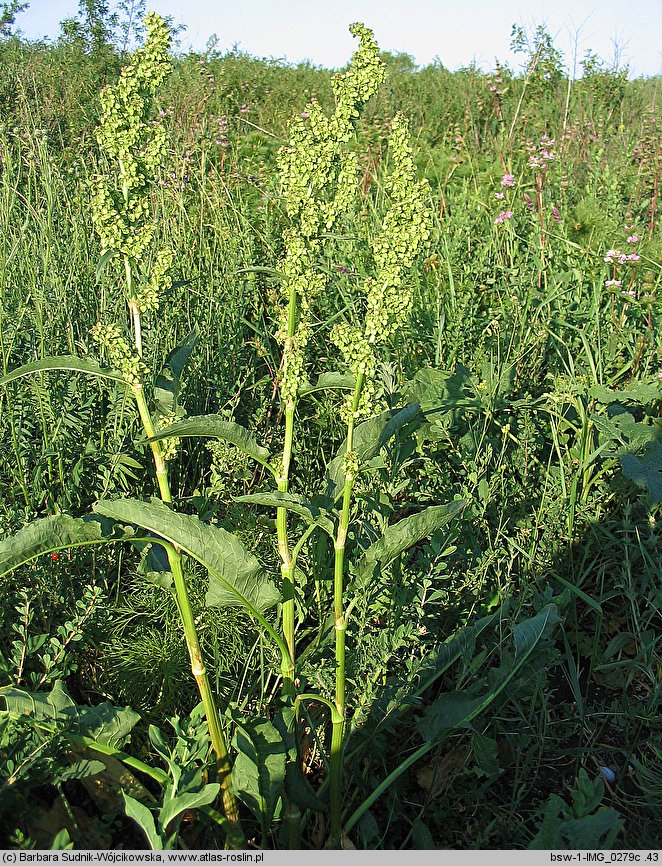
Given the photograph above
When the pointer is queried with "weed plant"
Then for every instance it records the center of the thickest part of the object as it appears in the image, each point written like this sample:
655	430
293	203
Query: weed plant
502	666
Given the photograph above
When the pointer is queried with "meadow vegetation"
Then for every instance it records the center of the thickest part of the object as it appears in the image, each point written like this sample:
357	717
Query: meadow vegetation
342	393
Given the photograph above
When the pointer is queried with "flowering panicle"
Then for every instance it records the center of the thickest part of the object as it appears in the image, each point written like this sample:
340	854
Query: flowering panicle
134	143
318	176
405	228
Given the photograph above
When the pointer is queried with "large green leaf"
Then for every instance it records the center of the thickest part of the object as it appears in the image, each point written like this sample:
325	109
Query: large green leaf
329	381
104	722
64	362
174	807
645	469
235	577
369	437
168	382
406	532
258	774
310	512
144	819
215	427
55	533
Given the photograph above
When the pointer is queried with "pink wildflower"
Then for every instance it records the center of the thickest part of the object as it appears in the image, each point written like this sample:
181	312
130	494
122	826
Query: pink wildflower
503	216
508	180
613	284
499	195
633	239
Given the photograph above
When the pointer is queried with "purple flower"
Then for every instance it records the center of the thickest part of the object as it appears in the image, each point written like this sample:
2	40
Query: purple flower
499	195
493	88
633	239
610	255
613	284
556	214
503	216
508	180
633	257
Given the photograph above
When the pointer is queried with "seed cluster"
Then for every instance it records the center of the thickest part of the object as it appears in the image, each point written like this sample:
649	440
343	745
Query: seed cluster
120	355
318	175
134	143
405	229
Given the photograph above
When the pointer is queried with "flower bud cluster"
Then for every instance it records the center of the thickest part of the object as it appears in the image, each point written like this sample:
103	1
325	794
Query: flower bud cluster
318	176
120	355
136	144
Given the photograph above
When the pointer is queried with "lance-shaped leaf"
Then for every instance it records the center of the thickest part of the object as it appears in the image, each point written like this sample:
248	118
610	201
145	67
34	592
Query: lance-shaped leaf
139	813
306	509
369	438
402	535
215	427
235	577
104	723
69	363
56	533
168	382
456	709
329	382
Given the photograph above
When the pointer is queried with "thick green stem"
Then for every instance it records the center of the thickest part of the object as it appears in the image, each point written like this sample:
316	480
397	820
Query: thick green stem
234	832
338	723
287	562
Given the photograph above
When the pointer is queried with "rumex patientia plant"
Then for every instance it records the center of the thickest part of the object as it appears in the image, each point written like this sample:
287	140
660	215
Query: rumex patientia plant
320	180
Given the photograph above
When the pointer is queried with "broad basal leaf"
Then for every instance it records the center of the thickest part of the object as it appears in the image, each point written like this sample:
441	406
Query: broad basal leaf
235	577
215	427
104	723
258	774
402	535
65	362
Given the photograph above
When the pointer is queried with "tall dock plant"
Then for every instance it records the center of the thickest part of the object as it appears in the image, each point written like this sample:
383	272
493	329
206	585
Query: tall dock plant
134	146
319	173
